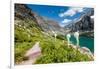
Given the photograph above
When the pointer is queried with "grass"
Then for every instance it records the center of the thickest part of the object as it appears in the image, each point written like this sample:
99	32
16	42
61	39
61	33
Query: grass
57	52
52	51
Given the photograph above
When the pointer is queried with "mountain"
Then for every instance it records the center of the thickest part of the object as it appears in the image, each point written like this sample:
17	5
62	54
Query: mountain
22	12
30	28
84	23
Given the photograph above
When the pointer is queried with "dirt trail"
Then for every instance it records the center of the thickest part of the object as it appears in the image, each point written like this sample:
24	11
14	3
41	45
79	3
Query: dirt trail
32	54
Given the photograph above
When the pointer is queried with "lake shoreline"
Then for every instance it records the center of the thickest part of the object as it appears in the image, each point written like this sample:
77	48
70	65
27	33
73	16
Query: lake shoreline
84	41
83	50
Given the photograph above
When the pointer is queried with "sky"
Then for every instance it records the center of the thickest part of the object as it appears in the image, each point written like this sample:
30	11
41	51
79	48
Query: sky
61	14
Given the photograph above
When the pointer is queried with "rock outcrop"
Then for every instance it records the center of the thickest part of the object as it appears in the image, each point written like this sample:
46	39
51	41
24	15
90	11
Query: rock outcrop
84	23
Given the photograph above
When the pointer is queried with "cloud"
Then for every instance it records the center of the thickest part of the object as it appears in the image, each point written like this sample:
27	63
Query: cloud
66	21
71	11
62	25
92	16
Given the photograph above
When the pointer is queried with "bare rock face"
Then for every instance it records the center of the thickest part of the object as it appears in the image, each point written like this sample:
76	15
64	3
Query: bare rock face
84	23
23	12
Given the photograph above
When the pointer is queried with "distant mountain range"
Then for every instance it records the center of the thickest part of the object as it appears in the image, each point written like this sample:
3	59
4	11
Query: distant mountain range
84	23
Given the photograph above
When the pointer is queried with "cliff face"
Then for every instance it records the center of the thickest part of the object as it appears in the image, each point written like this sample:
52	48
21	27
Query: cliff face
85	23
22	12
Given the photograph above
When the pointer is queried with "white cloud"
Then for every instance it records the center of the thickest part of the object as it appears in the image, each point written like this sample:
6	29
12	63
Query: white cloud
62	25
66	21
92	16
71	12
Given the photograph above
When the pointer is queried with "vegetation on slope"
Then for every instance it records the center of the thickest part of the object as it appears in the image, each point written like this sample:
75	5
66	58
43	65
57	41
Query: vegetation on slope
27	33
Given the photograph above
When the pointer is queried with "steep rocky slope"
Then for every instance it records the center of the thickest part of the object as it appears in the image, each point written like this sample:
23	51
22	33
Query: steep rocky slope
84	23
23	12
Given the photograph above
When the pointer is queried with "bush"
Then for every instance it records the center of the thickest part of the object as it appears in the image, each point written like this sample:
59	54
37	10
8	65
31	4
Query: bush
57	52
61	37
52	51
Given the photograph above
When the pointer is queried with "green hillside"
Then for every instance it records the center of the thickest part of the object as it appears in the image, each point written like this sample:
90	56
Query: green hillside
27	32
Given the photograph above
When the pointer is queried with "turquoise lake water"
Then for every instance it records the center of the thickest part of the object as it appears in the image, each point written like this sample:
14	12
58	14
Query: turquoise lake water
84	42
